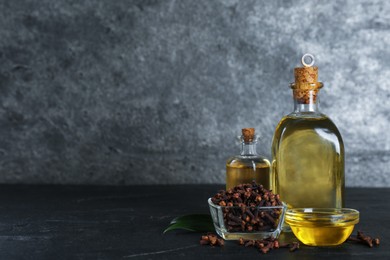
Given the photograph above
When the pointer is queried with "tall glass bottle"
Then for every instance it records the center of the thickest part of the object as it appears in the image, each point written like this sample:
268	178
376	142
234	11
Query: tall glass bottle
248	166
307	149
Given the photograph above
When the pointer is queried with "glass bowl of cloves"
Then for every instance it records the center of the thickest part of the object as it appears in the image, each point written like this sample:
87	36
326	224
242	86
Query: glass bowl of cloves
247	211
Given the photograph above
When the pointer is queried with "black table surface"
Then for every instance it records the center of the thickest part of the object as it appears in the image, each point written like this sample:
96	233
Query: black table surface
83	222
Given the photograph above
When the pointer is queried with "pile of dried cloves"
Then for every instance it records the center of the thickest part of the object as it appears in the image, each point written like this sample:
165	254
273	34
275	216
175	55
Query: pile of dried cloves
241	210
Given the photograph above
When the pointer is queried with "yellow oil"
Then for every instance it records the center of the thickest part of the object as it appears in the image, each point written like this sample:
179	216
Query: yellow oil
322	227
239	171
308	162
322	236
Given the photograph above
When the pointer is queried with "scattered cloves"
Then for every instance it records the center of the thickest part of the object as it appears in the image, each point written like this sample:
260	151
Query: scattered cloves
364	239
212	240
265	245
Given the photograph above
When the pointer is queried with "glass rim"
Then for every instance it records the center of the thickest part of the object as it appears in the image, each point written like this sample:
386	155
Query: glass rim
238	207
324	211
322	216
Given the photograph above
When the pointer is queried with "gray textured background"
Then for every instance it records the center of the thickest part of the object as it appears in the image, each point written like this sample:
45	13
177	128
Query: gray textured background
132	92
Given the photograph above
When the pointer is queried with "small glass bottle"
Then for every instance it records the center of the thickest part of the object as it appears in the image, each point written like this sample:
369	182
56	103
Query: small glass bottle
248	166
307	149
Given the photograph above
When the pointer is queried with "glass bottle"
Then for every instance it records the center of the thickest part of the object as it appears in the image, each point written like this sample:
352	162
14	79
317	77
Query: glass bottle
248	166
307	149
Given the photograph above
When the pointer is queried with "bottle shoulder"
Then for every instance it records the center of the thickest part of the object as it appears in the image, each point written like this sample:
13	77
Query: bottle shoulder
307	121
305	126
306	115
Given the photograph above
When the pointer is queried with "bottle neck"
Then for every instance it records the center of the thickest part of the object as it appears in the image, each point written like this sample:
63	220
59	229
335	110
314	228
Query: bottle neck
306	101
306	108
248	148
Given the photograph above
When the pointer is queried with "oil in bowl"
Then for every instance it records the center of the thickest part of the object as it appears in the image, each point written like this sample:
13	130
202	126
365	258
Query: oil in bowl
322	226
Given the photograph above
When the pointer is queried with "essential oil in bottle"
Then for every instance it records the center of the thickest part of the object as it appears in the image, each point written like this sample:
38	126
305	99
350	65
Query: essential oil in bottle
307	149
248	166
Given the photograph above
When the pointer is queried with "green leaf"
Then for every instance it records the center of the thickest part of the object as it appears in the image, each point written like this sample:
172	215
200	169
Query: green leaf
193	222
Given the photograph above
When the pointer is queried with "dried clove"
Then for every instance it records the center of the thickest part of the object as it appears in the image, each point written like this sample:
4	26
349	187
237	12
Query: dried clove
268	247
242	210
294	246
250	243
376	241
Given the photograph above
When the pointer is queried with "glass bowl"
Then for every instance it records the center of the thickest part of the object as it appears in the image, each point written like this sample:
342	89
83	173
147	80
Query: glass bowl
322	226
248	222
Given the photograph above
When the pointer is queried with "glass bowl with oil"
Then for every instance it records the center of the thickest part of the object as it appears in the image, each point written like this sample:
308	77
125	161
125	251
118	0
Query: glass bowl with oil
322	226
251	222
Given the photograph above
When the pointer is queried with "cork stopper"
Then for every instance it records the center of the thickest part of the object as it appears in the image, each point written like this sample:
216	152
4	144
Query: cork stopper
306	85
248	134
307	73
